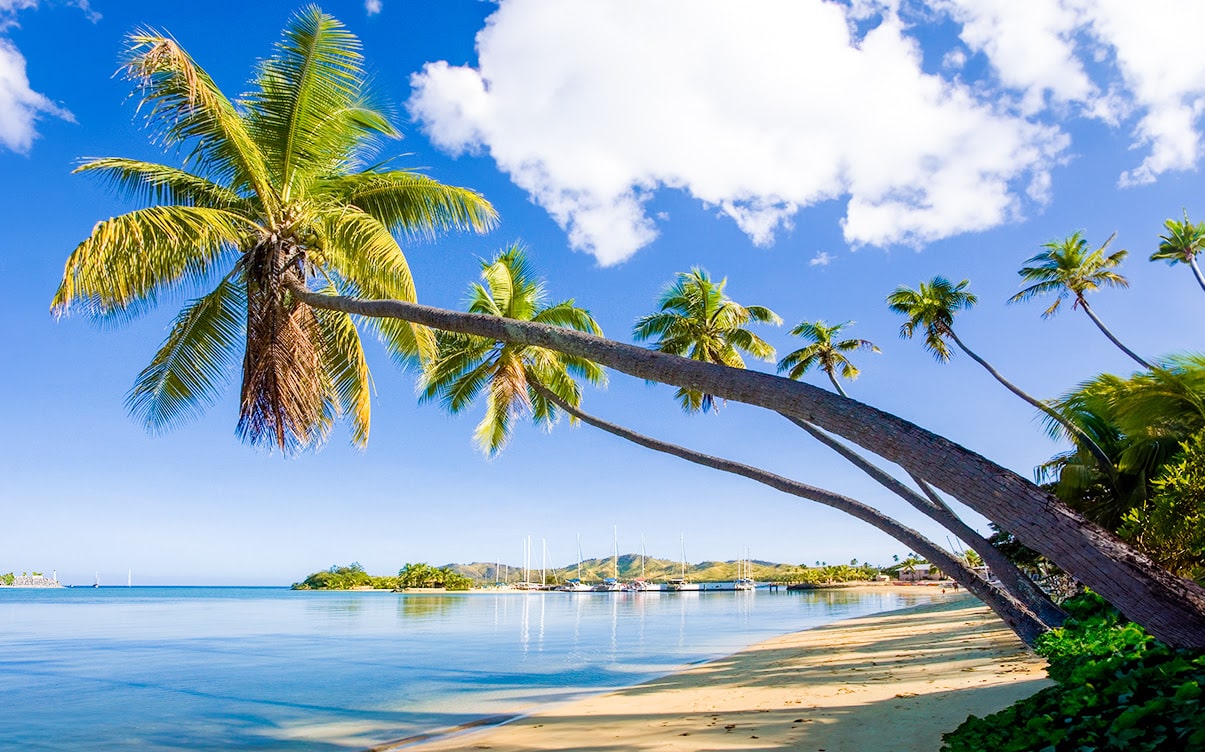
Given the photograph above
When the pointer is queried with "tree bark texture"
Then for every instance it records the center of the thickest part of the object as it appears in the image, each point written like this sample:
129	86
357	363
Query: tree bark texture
1170	607
1011	578
1012	610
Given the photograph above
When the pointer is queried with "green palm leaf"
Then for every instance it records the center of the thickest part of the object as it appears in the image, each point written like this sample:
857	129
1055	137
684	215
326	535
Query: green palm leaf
128	259
184	106
195	361
160	184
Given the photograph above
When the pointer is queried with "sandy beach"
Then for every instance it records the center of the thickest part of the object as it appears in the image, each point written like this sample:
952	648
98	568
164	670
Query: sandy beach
893	681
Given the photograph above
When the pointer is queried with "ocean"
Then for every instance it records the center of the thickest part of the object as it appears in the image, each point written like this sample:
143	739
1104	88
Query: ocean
162	668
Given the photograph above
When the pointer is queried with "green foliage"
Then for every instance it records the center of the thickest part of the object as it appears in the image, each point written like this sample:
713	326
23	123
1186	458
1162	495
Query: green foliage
345	578
1118	690
930	309
833	573
423	575
697	320
1170	526
8	578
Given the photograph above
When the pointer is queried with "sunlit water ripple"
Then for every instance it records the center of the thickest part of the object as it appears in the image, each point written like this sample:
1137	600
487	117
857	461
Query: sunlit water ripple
257	668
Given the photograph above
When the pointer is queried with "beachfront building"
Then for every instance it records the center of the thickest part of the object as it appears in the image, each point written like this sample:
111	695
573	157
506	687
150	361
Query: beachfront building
920	572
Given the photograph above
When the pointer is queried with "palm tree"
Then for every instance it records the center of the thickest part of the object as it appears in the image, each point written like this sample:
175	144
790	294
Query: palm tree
279	186
1171	608
515	378
697	320
930	309
824	352
1067	269
1024	613
830	357
1183	241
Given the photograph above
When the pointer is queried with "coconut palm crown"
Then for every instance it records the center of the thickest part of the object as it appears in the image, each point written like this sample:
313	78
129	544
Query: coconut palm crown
697	320
281	185
930	309
1183	241
1066	268
824	352
515	379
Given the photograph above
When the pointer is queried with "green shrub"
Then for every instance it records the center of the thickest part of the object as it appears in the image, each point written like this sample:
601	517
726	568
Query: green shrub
1118	690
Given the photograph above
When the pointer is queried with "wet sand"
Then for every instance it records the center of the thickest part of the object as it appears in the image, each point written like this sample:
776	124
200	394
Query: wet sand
892	681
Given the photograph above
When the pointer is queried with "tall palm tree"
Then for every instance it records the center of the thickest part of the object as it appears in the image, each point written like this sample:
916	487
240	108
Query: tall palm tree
509	374
697	320
1171	608
829	355
1024	612
280	186
1066	268
1183	241
930	309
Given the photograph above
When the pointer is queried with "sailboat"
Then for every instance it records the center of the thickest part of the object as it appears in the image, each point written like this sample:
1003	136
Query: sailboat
744	572
681	584
612	584
576	585
96	584
640	584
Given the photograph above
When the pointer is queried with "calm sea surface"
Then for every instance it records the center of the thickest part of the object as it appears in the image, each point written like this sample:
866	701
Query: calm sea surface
270	669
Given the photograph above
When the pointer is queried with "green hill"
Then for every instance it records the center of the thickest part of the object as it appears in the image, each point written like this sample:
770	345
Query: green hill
655	570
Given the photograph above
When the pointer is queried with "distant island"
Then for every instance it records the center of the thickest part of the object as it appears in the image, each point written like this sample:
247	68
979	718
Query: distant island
29	580
627	567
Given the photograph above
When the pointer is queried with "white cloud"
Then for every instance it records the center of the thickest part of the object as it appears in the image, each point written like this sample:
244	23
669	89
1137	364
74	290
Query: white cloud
1145	77
20	106
372	7
759	109
822	258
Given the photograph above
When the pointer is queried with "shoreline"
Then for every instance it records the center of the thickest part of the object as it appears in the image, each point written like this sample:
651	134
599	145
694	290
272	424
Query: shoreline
907	675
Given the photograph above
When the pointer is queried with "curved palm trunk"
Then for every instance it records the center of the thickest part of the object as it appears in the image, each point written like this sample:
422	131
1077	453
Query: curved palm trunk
1011	578
1081	438
1105	330
836	384
1005	604
1170	607
1196	271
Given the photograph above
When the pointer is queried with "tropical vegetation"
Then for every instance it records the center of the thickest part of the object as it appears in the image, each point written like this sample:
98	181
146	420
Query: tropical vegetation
265	217
825	352
515	378
697	320
1067	269
1182	243
282	184
1117	689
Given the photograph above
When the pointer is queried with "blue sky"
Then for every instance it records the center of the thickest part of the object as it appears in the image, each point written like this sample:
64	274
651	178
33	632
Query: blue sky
815	154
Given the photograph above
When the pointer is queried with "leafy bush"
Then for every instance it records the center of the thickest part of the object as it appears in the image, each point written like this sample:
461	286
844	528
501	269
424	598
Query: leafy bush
1119	690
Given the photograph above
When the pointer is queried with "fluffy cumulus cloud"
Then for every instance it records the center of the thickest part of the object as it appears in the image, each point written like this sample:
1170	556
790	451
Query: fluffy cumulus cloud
20	106
762	109
372	7
1143	78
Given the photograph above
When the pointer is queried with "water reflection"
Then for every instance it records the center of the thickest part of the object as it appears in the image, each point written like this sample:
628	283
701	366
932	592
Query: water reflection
425	606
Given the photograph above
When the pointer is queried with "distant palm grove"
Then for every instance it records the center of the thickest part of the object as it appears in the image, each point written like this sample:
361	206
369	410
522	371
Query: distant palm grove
286	231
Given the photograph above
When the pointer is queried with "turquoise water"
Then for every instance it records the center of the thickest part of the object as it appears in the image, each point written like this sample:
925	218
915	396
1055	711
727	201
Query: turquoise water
271	669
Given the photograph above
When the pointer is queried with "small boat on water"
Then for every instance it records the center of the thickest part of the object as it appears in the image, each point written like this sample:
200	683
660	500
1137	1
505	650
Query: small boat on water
575	586
681	584
610	585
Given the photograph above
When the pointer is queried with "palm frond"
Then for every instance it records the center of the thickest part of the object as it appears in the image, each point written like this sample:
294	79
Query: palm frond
194	363
128	259
347	370
410	203
185	106
357	248
310	111
159	184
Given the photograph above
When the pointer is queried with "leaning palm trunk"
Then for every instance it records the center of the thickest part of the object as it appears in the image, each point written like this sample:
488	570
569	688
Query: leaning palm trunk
1078	435
1011	578
1170	607
1105	330
1014	612
1196	271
